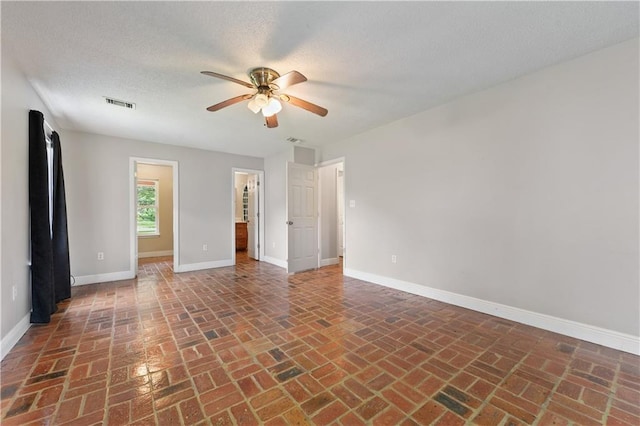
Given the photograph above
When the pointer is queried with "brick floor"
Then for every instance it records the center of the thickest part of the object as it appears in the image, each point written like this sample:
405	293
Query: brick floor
251	345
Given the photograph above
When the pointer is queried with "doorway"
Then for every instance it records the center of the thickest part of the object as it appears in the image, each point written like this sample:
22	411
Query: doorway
154	210
331	232
248	223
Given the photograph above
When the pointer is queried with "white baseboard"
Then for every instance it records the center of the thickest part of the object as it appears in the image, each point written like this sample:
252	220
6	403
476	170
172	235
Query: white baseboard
331	261
104	278
202	265
142	255
14	335
601	336
277	262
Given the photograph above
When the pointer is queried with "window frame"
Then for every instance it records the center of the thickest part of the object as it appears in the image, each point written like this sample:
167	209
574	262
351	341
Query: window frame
155	183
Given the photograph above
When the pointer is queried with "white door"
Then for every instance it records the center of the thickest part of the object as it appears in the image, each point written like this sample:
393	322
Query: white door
302	223
253	226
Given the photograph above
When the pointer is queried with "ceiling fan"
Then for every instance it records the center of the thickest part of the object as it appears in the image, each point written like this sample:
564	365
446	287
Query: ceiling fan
267	83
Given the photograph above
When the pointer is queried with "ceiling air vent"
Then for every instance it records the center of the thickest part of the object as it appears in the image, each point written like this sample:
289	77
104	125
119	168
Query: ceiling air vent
294	140
123	104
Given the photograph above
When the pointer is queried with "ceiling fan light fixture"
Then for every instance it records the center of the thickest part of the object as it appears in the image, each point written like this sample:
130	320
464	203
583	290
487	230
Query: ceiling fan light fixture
261	100
253	106
273	107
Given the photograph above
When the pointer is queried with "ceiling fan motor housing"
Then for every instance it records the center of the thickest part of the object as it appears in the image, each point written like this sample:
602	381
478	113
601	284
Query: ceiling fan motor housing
263	78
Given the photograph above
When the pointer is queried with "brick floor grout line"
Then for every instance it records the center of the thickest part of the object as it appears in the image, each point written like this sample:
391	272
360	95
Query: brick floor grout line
308	417
430	398
15	396
553	390
202	406
145	347
191	381
165	281
566	374
105	417
379	393
81	409
67	383
224	366
409	415
498	385
613	389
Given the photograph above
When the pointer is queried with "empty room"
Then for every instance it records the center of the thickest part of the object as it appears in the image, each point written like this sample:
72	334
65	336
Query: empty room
323	213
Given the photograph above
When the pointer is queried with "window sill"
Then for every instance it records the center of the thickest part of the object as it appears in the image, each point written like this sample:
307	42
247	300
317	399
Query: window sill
148	235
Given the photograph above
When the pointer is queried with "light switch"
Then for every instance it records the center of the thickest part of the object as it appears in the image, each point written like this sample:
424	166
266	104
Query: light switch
352	203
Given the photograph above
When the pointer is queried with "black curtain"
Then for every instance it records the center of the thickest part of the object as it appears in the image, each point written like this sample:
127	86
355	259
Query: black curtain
60	240
50	278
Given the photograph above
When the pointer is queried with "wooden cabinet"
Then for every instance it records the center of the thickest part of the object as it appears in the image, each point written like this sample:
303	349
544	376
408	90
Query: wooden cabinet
241	236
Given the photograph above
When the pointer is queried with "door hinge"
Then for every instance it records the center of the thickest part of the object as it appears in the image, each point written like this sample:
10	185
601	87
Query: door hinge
258	183
258	245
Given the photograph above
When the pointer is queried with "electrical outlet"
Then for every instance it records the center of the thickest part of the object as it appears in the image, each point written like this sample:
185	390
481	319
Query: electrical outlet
205	247
100	255
273	244
394	258
14	293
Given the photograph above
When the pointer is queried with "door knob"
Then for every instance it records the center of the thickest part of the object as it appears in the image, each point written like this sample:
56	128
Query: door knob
289	222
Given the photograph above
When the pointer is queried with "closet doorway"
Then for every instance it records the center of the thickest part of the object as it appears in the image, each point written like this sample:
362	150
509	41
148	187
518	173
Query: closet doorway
331	231
248	203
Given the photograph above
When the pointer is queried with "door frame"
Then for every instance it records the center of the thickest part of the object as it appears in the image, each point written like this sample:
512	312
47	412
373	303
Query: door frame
133	204
260	206
344	210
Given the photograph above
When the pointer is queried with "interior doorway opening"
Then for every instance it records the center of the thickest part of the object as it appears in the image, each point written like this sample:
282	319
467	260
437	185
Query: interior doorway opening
154	211
331	231
248	223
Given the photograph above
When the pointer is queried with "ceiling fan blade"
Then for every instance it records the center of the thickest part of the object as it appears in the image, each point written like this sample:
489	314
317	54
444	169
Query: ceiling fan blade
271	121
228	102
289	79
226	77
305	105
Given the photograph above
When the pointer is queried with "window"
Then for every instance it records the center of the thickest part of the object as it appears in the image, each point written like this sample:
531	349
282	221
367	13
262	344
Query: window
148	223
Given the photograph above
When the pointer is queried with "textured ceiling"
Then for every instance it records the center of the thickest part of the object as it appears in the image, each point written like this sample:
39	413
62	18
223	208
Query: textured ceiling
368	63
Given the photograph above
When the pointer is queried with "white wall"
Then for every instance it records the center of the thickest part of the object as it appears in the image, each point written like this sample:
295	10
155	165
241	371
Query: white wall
304	155
524	195
98	182
18	97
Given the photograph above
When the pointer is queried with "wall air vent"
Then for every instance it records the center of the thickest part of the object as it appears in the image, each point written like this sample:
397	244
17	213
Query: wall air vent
294	140
123	104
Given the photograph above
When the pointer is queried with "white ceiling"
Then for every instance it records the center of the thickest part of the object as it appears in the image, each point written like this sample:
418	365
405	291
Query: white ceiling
368	63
